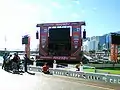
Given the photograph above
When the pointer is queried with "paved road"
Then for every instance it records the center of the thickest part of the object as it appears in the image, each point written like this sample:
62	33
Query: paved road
40	81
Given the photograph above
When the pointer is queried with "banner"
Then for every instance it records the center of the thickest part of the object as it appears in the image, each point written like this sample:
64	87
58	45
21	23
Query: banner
76	36
114	52
56	57
44	36
27	48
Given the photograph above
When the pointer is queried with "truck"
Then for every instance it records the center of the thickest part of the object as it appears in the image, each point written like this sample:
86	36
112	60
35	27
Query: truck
60	41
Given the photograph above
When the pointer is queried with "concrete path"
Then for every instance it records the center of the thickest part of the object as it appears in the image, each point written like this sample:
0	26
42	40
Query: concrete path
40	81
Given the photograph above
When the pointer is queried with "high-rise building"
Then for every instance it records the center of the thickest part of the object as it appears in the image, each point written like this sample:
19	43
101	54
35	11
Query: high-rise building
108	41
94	41
91	44
98	42
102	41
86	45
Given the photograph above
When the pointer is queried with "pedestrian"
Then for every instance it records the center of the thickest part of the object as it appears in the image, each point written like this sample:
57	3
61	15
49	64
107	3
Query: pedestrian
45	69
26	59
8	63
16	60
4	60
77	67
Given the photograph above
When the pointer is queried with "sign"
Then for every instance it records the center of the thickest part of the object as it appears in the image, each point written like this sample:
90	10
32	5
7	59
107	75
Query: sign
43	45
44	36
75	42
76	46
60	24
55	57
76	35
43	41
114	52
45	30
27	48
76	29
60	57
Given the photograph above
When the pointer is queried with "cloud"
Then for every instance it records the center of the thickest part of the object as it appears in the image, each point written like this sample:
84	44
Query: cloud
77	2
56	5
18	18
75	15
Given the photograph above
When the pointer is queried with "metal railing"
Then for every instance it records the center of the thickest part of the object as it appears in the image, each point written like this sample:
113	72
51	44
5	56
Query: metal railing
107	78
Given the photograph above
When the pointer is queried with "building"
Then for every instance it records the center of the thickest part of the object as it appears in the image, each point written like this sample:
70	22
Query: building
102	41
91	44
105	41
98	43
108	41
86	45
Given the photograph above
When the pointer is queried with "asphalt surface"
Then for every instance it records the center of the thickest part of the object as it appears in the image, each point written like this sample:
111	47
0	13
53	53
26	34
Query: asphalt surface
40	81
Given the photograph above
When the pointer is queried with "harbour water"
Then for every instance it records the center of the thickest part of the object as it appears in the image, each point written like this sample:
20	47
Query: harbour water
1	59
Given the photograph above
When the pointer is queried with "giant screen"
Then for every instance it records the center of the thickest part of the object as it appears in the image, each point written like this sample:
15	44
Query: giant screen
59	34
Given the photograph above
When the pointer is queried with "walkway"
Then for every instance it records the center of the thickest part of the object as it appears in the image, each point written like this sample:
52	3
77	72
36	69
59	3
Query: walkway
40	81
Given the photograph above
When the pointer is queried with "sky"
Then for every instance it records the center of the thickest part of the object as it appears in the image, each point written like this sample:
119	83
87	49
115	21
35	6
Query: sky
19	17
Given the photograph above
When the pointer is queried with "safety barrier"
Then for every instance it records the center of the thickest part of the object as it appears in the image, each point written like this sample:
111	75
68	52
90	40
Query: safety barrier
107	78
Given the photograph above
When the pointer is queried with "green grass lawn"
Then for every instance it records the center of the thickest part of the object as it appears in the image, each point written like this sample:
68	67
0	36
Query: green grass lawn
106	70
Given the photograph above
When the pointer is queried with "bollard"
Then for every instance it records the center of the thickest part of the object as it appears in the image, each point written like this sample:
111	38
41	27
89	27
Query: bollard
34	63
54	65
81	67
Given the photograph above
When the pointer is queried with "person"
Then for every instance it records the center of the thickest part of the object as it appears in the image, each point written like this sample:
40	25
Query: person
45	69
8	62
77	67
4	60
8	58
16	60
26	59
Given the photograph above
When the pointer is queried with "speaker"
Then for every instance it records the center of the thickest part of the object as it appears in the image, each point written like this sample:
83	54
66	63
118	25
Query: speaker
25	40
115	38
37	35
84	34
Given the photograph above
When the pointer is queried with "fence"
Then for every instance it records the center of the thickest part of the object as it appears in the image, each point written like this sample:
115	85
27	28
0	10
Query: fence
107	78
103	65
